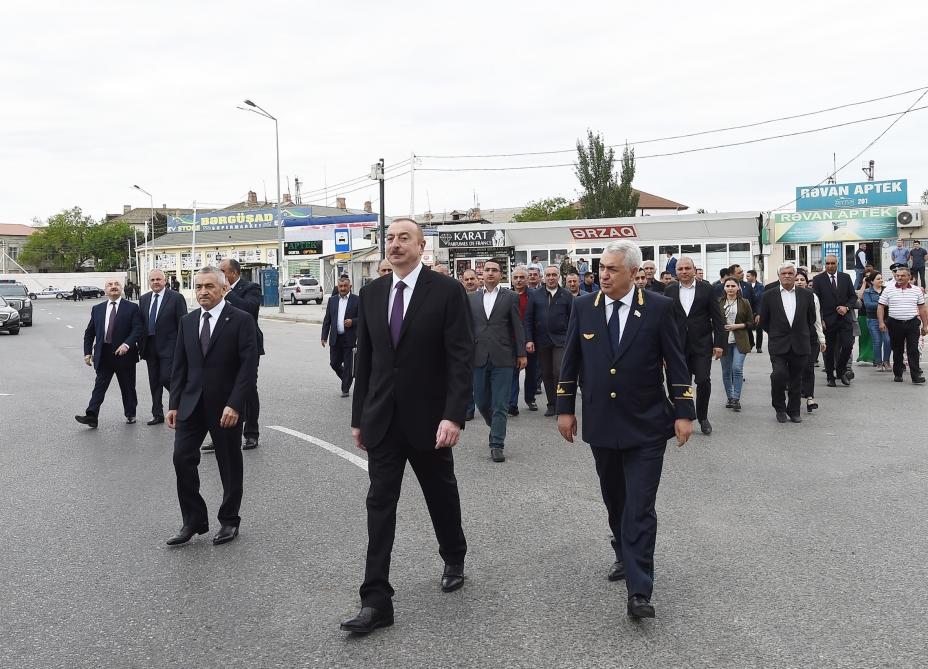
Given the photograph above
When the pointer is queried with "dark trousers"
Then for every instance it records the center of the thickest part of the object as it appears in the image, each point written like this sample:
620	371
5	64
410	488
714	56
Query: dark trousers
550	359
839	340
124	368
628	479
435	470
808	371
700	367
903	335
786	381
341	360
159	376
531	378
758	338
252	410
918	276
228	442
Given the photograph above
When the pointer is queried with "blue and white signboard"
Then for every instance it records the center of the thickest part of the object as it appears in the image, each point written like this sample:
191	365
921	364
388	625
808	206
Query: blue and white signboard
342	240
844	196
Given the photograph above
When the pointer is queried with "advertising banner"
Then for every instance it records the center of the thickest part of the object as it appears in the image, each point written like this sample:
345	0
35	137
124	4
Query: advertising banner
249	219
472	239
322	227
846	196
836	225
605	232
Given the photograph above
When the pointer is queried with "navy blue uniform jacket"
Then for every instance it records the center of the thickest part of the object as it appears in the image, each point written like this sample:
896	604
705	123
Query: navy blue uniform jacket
126	330
625	402
329	325
546	318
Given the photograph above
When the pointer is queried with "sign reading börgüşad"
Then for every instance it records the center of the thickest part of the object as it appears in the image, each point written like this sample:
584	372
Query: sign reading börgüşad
472	239
845	196
605	232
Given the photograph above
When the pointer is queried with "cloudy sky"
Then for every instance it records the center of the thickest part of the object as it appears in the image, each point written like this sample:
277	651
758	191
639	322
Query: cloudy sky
101	95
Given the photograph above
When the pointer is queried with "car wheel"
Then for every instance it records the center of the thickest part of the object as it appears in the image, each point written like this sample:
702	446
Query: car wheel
14	332
318	300
59	296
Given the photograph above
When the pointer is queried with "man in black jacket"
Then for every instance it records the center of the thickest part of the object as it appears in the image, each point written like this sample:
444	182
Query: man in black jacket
837	299
546	321
411	323
161	310
702	331
652	283
340	331
215	370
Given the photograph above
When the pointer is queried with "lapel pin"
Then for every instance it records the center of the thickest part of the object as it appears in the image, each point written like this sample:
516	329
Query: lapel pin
637	313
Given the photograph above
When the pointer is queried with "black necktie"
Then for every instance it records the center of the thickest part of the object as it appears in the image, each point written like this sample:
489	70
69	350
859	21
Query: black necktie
834	283
153	314
108	336
613	326
204	333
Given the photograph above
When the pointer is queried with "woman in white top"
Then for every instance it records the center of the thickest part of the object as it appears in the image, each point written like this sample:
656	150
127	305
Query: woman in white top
818	336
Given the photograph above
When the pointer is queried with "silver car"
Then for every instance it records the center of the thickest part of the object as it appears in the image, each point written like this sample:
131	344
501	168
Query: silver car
302	289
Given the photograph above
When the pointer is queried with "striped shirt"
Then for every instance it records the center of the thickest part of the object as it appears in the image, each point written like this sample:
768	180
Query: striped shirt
902	303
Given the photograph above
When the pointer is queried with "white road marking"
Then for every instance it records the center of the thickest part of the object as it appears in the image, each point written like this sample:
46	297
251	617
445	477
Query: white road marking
57	318
6	395
331	448
69	326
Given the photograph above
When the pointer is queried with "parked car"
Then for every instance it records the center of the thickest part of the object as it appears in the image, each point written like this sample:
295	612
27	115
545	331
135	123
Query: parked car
51	291
16	296
302	289
9	318
90	292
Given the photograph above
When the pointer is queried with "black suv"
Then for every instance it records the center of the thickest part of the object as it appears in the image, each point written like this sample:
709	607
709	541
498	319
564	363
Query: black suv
17	297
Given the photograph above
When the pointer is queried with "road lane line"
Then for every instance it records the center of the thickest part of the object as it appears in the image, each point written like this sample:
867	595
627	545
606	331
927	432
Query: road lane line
331	448
69	326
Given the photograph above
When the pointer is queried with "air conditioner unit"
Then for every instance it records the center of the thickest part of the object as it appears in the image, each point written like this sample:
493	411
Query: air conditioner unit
909	217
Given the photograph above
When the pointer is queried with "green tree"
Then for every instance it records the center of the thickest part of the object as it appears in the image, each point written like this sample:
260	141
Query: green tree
549	209
70	239
625	200
604	195
108	243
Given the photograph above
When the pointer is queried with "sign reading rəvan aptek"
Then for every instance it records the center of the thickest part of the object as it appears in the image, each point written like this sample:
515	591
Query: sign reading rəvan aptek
844	196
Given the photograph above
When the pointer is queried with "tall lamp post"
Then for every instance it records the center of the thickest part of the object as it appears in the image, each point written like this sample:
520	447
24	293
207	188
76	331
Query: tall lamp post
152	223
252	107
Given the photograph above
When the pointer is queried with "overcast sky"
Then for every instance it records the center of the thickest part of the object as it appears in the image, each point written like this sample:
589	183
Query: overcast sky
101	95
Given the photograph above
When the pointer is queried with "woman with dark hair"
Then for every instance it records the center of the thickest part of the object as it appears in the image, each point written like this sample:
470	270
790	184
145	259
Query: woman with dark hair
817	337
871	289
738	320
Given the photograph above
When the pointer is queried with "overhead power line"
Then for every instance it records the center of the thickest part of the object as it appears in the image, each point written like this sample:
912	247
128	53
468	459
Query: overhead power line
351	182
371	184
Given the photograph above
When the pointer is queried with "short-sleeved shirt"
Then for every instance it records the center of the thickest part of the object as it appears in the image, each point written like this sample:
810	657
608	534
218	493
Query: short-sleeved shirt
900	255
902	303
918	257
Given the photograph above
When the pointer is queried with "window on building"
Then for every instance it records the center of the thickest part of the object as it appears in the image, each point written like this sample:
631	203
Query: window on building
647	252
557	255
716	260
804	256
582	252
597	250
540	257
521	257
740	254
816	262
14	252
789	252
673	249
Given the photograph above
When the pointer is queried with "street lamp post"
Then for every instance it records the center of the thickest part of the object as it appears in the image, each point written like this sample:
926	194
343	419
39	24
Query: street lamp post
152	222
252	107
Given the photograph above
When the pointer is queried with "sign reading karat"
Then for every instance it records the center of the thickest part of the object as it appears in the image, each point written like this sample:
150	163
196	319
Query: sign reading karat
472	239
246	219
835	225
861	194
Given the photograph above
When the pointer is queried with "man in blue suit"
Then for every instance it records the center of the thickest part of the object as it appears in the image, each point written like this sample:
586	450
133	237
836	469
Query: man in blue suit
111	347
545	327
620	342
339	329
161	310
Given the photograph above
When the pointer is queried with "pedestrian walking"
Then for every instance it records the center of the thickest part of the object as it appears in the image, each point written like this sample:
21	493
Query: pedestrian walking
873	286
739	320
917	256
837	298
816	342
757	289
339	330
519	278
901	311
161	311
545	329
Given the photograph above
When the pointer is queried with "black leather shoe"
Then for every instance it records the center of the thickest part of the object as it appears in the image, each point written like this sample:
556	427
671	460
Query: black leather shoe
452	578
157	420
208	447
344	394
187	533
706	427
639	607
469	416
897	379
831	383
782	417
616	571
225	534
918	379
130	420
729	403
532	406
549	411
795	418
250	443
811	406
367	620
850	374
736	405
513	411
496	454
760	350
91	421
846	378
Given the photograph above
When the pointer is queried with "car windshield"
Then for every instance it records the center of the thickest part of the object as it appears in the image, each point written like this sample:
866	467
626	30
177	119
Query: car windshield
308	282
2	302
12	290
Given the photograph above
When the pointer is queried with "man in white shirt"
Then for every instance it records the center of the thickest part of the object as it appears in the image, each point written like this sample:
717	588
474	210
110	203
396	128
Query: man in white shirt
902	311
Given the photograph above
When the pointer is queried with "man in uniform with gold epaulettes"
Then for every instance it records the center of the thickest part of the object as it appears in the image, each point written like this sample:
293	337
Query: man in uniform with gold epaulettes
623	339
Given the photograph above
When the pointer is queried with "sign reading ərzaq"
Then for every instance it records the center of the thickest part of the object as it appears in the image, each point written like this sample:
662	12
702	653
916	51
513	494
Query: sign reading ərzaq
472	239
246	219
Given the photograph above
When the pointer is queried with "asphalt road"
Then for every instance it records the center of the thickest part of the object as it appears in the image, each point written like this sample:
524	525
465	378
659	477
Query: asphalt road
778	546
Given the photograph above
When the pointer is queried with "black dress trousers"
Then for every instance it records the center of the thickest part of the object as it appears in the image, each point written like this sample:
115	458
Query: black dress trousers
123	366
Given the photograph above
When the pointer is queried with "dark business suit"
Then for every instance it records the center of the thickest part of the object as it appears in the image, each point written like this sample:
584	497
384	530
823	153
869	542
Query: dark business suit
757	292
788	345
839	330
159	339
401	395
546	321
655	286
627	416
126	330
341	346
201	387
700	331
246	295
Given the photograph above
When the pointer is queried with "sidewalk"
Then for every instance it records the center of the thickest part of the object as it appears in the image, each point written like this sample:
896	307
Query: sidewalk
295	313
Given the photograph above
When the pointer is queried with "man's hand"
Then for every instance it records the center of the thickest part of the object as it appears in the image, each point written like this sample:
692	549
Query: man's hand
171	418
529	347
447	434
348	322
757	319
822	347
924	330
229	417
521	362
882	326
717	353
567	426
88	360
356	434
841	310
322	341
683	427
122	350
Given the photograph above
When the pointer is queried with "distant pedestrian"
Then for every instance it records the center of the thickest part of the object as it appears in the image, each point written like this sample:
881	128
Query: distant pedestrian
175	284
441	269
161	311
835	291
520	289
77	294
582	267
469	281
384	267
545	329
589	283
572	283
671	264
816	342
872	289
757	289
900	254
652	283
339	330
902	307
861	262
917	255
739	320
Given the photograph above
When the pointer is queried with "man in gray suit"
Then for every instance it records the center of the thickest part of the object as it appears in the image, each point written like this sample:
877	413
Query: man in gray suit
499	346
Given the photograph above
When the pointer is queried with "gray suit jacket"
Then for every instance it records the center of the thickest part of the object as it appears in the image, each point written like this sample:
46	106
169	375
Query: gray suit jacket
499	339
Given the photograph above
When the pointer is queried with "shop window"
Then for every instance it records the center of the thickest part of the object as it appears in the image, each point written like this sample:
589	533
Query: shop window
740	254
521	257
804	256
557	255
540	257
789	252
581	252
647	252
816	262
716	261
669	249
597	250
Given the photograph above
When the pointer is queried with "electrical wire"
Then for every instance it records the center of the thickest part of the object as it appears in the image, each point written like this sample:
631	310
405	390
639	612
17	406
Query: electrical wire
372	184
691	134
352	181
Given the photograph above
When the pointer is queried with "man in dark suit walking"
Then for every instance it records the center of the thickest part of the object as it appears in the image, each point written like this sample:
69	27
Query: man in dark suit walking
412	322
215	370
787	315
339	329
111	347
702	331
161	311
499	347
837	298
620	343
545	328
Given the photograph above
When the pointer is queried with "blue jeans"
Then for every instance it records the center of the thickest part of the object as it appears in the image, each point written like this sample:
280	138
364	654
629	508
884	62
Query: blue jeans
733	371
491	394
880	341
859	278
514	390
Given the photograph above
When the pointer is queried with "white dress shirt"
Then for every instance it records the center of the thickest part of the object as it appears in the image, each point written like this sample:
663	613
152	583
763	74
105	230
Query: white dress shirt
789	303
687	295
110	313
410	281
213	317
489	299
625	306
342	307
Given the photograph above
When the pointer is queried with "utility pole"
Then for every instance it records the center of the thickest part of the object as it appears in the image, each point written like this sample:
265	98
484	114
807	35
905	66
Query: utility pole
870	170
377	175
412	186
